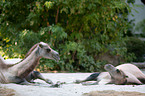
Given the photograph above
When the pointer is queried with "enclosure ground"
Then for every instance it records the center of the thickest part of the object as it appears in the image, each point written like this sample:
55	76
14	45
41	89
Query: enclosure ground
68	89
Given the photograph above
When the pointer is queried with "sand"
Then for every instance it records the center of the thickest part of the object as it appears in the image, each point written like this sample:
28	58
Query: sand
68	89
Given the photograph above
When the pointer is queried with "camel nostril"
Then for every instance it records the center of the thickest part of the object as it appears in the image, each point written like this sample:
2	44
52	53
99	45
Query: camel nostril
57	55
107	65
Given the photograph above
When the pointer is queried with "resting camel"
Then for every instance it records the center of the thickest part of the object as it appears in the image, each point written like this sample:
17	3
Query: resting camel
20	72
120	75
32	76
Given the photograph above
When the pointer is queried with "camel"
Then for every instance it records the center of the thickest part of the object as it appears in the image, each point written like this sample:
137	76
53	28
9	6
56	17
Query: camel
32	76
20	72
123	74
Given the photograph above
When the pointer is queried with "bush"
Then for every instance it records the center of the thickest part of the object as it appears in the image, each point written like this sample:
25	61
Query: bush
137	47
78	29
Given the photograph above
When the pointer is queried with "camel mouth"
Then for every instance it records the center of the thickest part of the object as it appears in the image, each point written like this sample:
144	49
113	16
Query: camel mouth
109	67
56	57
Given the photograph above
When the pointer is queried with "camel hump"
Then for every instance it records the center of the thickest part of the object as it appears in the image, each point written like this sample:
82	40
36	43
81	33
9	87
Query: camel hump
126	65
8	62
131	69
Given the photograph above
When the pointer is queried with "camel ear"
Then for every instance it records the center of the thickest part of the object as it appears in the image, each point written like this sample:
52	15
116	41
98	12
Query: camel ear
40	45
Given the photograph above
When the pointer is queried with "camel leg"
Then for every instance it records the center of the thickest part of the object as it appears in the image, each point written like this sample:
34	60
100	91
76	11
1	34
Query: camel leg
92	77
90	83
38	75
21	81
25	83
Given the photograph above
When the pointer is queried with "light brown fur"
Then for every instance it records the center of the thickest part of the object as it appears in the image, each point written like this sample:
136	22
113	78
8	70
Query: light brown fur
17	72
122	74
133	71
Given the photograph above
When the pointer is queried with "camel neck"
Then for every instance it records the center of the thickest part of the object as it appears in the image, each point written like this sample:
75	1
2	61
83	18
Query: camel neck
27	65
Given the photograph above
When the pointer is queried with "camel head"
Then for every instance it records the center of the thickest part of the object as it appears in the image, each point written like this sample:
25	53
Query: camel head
46	52
118	76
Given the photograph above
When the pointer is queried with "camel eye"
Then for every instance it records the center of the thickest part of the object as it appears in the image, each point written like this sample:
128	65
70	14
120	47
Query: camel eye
48	50
118	70
126	77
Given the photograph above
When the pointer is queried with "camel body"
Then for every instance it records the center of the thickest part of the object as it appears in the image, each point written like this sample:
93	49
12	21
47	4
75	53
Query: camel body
18	72
120	75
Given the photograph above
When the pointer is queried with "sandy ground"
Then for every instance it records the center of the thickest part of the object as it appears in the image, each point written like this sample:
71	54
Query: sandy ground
68	89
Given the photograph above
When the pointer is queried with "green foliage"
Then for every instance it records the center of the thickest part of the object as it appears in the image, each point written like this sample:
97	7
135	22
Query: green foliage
141	28
79	30
137	47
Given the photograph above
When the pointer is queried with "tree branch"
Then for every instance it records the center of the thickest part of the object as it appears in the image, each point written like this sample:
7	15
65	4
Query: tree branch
56	18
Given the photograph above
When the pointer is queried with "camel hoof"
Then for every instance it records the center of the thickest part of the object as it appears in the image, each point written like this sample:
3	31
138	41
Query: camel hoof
56	85
77	81
48	81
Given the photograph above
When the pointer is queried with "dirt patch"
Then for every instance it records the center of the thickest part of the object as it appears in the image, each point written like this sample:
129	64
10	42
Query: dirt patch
7	92
113	93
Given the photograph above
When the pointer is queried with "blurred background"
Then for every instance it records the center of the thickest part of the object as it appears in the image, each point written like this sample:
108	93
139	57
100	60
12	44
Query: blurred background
87	33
